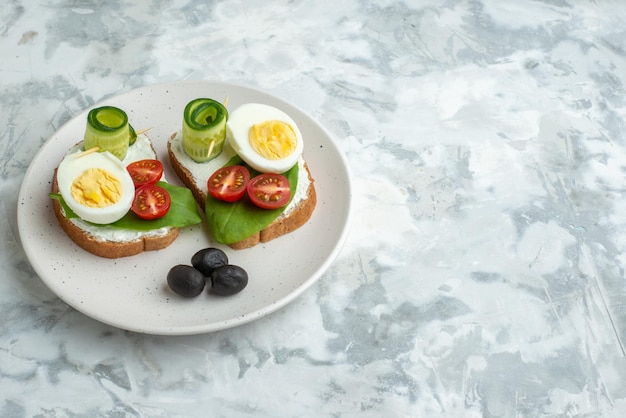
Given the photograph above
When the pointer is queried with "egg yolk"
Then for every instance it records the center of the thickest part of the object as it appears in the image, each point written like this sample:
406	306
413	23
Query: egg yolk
96	188
273	139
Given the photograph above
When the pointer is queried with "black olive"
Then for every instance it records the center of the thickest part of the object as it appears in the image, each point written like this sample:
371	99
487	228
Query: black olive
228	280
209	259
185	280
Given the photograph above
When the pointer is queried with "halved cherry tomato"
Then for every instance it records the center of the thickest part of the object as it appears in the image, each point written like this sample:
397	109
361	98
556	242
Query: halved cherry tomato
229	183
151	202
145	171
269	190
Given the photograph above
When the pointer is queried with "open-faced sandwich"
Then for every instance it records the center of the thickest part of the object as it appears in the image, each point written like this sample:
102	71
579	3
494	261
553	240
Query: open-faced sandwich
245	169
109	194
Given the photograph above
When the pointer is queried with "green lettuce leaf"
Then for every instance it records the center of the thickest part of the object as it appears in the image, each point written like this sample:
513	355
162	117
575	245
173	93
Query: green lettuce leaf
232	222
183	212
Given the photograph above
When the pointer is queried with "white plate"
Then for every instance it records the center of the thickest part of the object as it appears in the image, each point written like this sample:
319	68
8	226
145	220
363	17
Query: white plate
131	293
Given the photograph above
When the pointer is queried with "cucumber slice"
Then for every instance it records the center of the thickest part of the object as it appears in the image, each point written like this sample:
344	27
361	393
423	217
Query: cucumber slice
108	129
204	129
132	135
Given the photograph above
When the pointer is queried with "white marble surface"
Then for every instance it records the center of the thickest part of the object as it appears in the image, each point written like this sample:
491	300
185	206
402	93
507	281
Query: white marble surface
483	275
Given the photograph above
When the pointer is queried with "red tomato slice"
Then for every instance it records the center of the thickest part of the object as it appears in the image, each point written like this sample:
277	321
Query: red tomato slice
145	171
151	202
269	190
229	183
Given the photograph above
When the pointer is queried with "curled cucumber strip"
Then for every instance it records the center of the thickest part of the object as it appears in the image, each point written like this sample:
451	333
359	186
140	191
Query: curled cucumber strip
109	130
204	129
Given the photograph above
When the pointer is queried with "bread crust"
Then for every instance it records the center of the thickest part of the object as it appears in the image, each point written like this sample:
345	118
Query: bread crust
282	225
104	248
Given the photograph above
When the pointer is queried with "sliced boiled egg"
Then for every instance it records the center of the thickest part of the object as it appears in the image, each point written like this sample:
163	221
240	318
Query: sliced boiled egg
266	138
96	186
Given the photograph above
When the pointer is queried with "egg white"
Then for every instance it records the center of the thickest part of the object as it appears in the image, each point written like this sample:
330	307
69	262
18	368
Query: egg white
237	130
72	167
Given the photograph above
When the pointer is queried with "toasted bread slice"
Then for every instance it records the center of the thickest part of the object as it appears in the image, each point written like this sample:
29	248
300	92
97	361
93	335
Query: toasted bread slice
106	242
296	215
